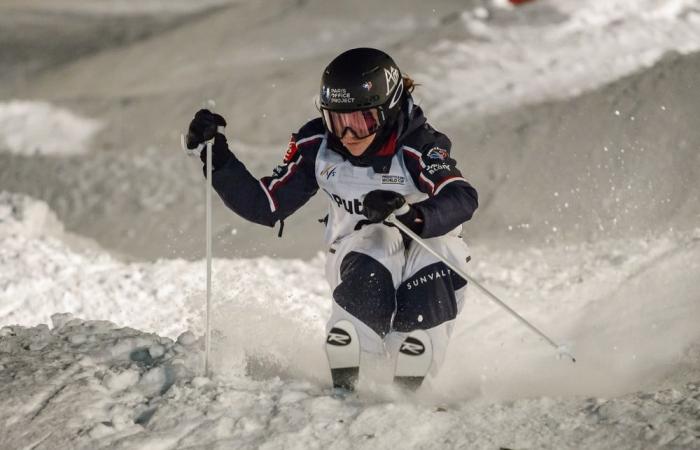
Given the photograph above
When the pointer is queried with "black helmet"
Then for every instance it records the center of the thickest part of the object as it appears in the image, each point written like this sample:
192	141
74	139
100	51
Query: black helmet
361	79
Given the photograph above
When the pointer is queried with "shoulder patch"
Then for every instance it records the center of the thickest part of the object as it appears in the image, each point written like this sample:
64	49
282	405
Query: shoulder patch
292	149
437	153
280	170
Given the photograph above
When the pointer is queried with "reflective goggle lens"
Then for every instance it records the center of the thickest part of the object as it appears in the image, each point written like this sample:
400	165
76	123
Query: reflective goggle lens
360	123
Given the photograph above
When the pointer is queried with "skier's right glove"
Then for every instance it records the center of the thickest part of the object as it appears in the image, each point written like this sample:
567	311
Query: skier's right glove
203	128
378	205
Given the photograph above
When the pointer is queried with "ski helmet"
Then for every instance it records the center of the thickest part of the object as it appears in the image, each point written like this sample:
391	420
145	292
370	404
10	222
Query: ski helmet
360	79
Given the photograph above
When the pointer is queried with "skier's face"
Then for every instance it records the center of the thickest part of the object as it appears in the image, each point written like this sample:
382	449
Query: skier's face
356	146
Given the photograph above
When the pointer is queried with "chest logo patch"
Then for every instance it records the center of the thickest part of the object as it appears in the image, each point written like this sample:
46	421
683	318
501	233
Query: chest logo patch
328	172
393	179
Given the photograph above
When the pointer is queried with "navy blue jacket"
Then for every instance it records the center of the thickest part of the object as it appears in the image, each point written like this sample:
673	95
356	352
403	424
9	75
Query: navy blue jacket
450	200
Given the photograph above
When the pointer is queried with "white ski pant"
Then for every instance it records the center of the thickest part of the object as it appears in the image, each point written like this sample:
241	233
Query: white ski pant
387	290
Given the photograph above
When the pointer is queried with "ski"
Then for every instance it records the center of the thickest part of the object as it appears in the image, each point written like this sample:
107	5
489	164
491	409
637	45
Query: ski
343	352
413	361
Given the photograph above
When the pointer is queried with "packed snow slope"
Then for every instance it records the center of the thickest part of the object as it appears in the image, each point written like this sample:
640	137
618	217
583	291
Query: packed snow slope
627	308
621	161
41	35
595	166
95	385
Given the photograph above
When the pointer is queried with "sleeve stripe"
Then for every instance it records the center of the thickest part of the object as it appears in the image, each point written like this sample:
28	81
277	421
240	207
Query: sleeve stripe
290	171
273	207
427	181
310	138
413	153
447	181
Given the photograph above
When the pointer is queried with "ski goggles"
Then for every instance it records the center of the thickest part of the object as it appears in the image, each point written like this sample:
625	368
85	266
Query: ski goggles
361	123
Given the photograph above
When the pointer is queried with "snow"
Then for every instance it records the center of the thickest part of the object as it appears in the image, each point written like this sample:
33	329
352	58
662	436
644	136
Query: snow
40	128
121	7
101	352
627	308
503	63
41	274
64	395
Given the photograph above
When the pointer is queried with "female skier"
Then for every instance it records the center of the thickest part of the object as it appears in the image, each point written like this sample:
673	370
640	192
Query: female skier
373	153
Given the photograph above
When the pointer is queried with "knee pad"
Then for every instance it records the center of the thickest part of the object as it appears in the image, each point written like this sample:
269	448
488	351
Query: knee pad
427	298
366	291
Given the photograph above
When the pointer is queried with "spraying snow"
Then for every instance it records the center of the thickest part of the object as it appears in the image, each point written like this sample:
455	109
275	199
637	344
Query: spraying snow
39	128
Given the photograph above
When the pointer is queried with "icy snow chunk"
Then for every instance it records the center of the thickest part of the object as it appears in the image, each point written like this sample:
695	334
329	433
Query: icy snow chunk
187	339
668	396
100	430
131	349
38	345
153	380
200	381
157	380
120	381
249	425
156	350
77	339
292	397
59	320
7	331
122	416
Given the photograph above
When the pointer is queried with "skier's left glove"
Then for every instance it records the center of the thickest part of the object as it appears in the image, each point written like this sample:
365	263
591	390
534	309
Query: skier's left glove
378	205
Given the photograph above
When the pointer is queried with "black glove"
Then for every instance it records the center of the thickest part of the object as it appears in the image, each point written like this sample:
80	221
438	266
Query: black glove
203	127
220	153
378	205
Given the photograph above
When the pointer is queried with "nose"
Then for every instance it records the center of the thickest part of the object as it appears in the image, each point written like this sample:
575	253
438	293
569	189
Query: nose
352	135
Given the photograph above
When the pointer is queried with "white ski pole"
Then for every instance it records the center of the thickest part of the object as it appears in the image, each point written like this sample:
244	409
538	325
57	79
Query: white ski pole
207	338
208	186
561	349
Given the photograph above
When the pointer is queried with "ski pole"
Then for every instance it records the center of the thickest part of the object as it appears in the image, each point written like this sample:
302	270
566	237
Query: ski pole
207	338
561	349
195	152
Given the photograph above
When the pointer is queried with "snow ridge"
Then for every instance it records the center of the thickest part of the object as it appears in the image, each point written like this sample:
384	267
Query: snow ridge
93	384
523	58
